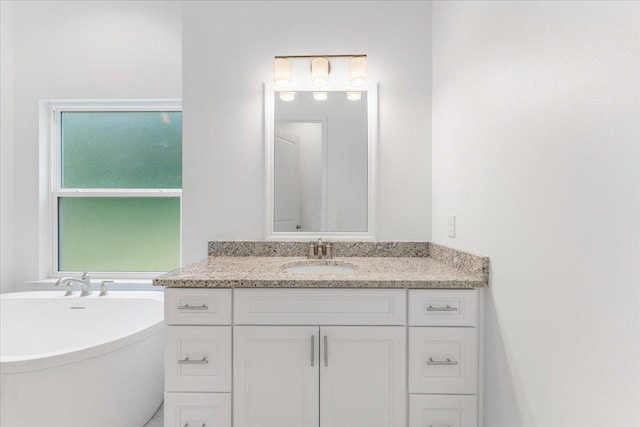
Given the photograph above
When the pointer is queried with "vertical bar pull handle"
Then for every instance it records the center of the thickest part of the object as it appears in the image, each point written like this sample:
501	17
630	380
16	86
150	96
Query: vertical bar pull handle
326	352
313	350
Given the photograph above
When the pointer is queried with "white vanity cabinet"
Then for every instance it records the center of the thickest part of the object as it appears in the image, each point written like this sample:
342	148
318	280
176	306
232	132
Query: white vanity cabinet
300	357
443	358
347	368
303	376
198	358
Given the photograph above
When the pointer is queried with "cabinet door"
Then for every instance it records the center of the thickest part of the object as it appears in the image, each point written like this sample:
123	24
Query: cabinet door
443	410
197	358
363	376
276	381
197	409
443	360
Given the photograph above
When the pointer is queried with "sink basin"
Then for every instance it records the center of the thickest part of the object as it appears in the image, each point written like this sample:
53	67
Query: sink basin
319	268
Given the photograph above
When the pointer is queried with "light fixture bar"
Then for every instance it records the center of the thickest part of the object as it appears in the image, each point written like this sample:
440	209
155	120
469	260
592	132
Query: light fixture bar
317	56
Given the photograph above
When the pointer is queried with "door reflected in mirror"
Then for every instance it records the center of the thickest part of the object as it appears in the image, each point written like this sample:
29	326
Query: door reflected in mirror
321	164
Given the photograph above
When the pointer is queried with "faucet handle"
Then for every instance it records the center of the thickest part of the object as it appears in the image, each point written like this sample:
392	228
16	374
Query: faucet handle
85	275
103	287
312	250
69	290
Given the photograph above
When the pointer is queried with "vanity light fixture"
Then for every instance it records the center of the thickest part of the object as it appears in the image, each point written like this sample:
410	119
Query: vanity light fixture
320	96
287	96
354	96
281	72
358	71
320	71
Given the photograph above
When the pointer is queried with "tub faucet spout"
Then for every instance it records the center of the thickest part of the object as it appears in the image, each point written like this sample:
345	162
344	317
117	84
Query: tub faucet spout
85	282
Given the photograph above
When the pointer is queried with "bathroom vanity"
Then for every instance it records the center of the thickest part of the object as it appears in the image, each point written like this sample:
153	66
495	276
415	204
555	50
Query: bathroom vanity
391	338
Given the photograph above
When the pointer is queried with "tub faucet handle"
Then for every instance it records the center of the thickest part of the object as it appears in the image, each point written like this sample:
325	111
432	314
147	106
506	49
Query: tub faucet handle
69	290
103	287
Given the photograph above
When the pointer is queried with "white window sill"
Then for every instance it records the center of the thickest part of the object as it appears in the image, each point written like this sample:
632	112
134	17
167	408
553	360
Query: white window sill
117	285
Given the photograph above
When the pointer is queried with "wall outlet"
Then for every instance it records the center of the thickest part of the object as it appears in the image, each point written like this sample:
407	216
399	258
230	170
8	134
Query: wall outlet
452	226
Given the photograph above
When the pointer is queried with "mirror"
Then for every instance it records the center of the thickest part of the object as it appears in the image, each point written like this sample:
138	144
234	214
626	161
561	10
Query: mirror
320	164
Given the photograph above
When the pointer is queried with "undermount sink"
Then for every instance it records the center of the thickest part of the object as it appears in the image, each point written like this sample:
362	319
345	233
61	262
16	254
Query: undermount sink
319	268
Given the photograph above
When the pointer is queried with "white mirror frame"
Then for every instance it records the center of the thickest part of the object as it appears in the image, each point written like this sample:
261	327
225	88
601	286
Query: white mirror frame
372	124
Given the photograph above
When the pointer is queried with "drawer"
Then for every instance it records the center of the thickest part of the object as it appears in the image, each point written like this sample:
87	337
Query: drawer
197	409
443	360
441	411
319	306
197	358
197	306
433	307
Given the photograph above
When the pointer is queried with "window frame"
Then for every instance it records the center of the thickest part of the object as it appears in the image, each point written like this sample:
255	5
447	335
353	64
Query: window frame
54	110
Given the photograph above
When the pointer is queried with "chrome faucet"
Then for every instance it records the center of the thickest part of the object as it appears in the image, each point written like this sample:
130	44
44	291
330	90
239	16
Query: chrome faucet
85	282
320	250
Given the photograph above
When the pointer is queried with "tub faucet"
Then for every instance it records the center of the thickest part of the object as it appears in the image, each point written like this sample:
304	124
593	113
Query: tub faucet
85	282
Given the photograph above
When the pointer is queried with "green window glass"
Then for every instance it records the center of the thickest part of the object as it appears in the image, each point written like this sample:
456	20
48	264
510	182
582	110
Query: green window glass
121	149
119	222
118	233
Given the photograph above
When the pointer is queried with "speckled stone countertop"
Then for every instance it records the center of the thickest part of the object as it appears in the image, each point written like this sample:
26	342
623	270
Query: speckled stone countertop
419	265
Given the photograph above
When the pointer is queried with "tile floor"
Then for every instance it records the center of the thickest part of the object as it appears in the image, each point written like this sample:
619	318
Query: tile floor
158	418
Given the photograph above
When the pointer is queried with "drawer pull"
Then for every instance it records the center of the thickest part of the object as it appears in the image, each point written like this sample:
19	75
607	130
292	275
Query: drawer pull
187	424
187	361
313	349
441	362
193	307
447	308
326	352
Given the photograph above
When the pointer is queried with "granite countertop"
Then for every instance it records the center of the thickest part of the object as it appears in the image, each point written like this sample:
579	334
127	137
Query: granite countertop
442	268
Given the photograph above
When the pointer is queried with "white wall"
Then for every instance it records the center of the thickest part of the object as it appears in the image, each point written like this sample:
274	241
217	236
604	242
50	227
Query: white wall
92	50
6	146
228	50
535	149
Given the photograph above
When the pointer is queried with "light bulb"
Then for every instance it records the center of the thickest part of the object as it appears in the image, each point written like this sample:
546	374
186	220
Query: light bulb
320	71
281	72
287	96
320	96
354	96
358	71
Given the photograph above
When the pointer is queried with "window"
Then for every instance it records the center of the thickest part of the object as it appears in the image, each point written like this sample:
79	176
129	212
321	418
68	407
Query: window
116	187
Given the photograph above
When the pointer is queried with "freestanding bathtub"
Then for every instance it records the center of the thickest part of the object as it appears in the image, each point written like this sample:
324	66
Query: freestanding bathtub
80	361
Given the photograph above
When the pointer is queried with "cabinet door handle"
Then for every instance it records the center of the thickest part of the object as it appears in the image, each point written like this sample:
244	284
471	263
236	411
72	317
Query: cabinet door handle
193	307
447	308
447	362
326	352
187	361
313	350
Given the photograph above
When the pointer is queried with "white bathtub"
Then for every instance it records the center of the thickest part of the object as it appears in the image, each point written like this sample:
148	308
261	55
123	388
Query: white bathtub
80	361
